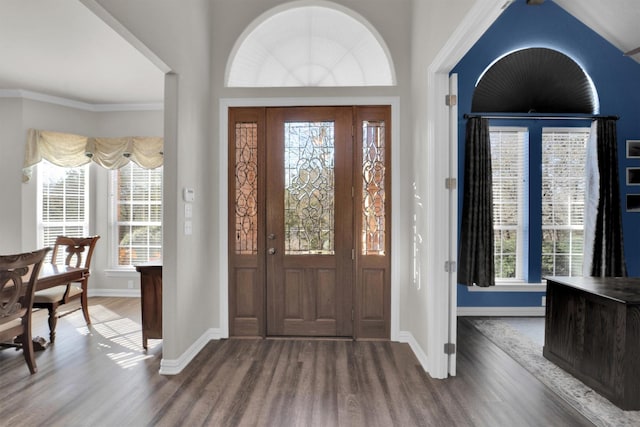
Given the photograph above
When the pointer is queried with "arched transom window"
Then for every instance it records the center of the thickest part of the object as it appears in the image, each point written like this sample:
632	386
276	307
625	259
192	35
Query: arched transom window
298	45
535	80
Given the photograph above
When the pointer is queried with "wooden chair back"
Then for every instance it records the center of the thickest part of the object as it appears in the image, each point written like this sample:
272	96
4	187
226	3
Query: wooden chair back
18	279
75	251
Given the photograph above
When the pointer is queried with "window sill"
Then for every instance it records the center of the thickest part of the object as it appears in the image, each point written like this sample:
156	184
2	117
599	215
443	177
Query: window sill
511	286
121	272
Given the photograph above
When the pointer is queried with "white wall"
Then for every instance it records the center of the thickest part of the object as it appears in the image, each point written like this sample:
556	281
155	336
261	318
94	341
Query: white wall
443	33
178	32
433	23
12	146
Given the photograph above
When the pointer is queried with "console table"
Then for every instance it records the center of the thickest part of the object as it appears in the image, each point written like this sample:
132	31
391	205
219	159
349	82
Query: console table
151	300
592	330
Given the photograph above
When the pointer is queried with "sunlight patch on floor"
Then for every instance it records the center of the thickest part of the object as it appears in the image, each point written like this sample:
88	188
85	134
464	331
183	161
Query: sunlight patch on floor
117	328
119	333
98	314
127	360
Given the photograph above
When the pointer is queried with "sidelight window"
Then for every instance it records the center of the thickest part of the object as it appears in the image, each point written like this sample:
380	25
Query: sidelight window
246	188
373	188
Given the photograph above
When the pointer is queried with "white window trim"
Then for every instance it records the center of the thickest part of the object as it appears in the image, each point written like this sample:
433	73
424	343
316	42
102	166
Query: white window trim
512	286
114	269
123	272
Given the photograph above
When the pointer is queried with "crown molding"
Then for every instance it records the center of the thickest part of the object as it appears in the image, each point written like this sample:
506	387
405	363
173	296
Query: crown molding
66	102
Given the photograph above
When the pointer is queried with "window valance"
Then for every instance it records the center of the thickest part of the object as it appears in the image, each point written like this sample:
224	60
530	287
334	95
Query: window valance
70	150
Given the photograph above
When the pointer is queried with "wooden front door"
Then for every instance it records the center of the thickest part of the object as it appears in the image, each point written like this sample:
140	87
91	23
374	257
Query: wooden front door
308	222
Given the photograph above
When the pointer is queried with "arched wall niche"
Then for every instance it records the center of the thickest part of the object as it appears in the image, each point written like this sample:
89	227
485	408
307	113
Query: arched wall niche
310	43
535	80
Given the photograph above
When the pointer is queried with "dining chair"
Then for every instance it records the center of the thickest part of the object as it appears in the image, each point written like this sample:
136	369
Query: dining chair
75	252
18	278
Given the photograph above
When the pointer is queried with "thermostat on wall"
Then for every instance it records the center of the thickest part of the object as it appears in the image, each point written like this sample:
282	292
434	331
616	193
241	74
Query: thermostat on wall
188	194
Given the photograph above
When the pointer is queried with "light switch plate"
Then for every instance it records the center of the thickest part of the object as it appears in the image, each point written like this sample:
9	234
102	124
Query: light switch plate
188	194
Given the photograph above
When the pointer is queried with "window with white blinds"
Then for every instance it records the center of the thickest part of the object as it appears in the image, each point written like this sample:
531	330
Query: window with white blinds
137	215
63	202
563	184
537	237
509	161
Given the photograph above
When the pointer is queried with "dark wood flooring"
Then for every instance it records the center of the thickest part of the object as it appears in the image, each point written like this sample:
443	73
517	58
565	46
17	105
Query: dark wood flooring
100	376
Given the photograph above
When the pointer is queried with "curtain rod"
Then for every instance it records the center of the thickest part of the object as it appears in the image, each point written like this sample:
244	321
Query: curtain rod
540	116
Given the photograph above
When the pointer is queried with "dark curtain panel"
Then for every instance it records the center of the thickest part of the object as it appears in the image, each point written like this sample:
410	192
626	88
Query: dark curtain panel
608	251
476	264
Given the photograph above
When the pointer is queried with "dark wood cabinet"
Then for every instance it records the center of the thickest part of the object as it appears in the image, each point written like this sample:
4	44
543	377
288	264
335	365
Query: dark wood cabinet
151	301
592	330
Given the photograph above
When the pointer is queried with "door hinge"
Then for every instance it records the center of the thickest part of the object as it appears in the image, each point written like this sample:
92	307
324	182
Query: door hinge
353	254
450	266
449	348
451	100
353	192
450	183
353	314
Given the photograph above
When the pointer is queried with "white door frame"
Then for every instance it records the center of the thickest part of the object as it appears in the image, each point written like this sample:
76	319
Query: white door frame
479	18
225	104
453	219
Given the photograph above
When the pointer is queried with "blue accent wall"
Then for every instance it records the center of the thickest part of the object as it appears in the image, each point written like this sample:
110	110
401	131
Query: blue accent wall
617	82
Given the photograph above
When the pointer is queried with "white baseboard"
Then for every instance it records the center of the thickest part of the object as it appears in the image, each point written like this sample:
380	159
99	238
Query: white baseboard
175	366
501	311
124	293
407	337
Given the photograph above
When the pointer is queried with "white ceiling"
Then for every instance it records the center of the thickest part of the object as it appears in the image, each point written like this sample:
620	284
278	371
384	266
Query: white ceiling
60	48
618	21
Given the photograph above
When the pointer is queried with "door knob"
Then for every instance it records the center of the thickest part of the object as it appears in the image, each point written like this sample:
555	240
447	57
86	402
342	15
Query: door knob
271	251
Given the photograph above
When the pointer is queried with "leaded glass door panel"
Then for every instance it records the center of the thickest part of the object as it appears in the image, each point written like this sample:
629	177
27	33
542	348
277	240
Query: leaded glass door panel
309	221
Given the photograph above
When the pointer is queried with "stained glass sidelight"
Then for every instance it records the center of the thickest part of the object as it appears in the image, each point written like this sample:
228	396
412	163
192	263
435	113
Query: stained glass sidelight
373	188
246	147
309	188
